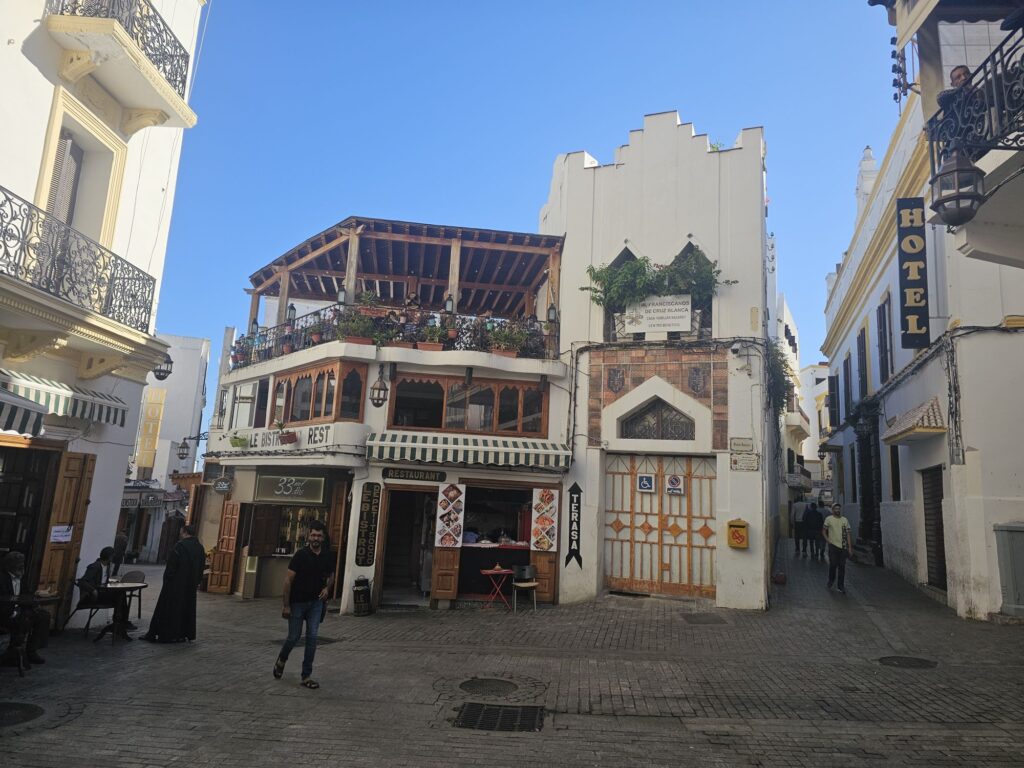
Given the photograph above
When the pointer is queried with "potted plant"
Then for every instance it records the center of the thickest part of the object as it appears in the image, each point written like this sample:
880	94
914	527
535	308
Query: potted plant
354	327
369	303
238	441
285	436
315	331
431	338
286	344
507	339
385	334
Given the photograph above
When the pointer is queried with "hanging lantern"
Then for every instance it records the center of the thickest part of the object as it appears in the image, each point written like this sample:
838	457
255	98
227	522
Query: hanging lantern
254	328
342	296
379	390
163	370
958	189
552	313
290	314
449	304
183	449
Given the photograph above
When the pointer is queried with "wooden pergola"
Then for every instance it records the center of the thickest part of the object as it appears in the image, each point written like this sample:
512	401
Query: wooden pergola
483	270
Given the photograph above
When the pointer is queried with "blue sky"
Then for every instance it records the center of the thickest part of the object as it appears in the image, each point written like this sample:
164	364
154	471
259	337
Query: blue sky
453	113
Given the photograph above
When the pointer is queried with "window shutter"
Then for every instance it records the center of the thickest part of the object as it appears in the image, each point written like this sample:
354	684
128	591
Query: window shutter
883	343
862	368
67	167
833	401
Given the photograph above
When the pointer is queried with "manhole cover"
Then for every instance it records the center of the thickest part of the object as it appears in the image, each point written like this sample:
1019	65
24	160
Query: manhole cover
16	713
489	686
907	662
703	618
500	717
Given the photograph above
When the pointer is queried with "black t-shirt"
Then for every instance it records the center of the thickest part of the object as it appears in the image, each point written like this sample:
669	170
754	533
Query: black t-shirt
311	572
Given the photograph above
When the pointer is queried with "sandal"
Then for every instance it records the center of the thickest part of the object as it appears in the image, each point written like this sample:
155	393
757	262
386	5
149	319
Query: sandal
278	668
310	683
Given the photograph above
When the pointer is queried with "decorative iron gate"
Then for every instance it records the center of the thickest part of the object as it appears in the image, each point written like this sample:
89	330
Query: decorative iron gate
661	540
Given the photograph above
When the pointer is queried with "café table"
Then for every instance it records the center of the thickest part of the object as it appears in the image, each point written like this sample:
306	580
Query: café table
26	604
498	577
118	593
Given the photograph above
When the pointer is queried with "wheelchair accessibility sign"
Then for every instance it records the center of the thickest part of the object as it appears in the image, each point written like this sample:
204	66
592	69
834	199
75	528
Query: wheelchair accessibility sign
646	483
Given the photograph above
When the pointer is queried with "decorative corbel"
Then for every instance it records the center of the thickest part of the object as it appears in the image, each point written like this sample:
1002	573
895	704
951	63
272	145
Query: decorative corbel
135	120
75	65
92	366
24	345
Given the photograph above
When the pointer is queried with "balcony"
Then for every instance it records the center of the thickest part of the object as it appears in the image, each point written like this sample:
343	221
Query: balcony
399	327
38	250
800	478
131	51
797	421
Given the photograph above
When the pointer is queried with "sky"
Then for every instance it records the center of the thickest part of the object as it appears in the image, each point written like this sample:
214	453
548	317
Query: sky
453	113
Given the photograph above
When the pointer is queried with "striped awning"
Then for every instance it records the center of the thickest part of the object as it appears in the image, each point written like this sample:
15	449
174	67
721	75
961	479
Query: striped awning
65	399
434	448
20	416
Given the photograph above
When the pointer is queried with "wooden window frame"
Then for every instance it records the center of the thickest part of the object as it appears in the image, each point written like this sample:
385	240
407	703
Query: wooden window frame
340	369
496	385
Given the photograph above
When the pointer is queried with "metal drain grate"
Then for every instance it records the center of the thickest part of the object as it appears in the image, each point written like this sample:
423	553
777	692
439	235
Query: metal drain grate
907	662
500	717
703	618
16	713
489	686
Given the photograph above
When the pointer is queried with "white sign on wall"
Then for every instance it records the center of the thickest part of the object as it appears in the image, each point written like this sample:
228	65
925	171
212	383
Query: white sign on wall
658	313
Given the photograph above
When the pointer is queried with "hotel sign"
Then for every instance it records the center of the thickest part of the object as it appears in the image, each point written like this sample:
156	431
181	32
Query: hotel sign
910	243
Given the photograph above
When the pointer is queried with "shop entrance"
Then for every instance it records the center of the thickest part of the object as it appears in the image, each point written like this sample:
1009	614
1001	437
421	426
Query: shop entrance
408	548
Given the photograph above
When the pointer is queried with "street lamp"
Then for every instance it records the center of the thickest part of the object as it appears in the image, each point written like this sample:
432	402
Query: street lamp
958	189
184	450
254	328
379	390
552	313
163	370
289	315
449	304
821	453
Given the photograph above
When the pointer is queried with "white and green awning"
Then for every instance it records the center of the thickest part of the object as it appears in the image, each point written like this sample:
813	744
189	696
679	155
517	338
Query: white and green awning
434	448
65	399
20	416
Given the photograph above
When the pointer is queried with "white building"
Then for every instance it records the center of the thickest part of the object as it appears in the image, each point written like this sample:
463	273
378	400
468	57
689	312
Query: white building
924	325
171	411
655	414
813	394
94	107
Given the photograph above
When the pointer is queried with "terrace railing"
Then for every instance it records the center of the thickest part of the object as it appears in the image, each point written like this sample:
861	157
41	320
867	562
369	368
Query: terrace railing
144	25
40	250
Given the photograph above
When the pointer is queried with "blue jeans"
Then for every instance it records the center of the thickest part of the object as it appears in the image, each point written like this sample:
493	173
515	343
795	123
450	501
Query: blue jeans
310	614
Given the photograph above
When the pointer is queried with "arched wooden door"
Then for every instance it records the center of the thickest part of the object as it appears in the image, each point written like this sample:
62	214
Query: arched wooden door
659	524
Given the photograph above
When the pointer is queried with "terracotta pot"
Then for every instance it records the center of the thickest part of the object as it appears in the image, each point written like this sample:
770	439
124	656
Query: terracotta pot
453	333
316	336
402	344
287	349
430	346
287	438
506	352
358	340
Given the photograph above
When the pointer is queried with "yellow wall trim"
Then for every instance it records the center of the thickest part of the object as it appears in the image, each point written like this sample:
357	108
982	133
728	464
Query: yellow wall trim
1013	321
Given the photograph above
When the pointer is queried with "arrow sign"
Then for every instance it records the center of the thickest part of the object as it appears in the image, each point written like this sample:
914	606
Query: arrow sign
575	508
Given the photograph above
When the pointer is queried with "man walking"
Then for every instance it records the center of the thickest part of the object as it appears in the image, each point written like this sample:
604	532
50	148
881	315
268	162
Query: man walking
174	618
812	531
836	531
306	586
120	548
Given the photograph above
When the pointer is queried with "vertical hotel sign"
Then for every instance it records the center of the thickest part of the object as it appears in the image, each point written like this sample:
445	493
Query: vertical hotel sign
913	273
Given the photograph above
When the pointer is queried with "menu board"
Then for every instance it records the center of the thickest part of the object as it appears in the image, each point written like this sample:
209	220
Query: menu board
451	503
544	522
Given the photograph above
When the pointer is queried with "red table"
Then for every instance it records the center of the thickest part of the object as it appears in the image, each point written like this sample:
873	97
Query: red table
498	577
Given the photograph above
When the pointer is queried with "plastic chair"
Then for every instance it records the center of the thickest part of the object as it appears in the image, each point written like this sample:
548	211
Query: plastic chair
139	578
524	577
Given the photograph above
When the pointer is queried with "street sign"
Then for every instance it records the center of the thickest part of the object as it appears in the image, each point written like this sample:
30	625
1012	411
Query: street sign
646	483
675	485
575	508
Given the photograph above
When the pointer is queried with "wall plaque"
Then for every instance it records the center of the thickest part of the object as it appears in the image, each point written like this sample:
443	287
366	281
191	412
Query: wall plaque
658	314
745	462
369	516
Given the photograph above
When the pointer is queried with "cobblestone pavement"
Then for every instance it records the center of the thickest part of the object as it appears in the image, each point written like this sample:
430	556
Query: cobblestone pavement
624	682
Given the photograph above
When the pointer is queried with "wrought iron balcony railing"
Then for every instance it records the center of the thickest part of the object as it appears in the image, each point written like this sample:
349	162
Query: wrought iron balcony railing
387	326
40	250
986	112
144	25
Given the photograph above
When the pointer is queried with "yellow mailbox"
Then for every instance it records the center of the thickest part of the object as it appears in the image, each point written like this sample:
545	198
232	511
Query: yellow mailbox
739	535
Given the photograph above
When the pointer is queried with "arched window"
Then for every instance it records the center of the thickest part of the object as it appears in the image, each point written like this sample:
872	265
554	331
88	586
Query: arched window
302	396
657	421
351	395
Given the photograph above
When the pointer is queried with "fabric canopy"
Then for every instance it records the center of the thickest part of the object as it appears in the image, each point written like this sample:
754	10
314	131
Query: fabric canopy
65	399
433	448
20	415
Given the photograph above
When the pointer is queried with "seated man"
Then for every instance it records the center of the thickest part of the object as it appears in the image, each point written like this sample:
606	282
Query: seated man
95	576
28	626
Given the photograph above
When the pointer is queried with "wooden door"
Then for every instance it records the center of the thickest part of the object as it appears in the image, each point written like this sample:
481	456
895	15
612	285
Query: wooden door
546	564
222	564
445	578
934	532
660	533
70	507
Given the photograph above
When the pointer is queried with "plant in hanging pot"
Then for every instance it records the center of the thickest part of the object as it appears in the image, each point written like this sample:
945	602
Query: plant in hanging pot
285	436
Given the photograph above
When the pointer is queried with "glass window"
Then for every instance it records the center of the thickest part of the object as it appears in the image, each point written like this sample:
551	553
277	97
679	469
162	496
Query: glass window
280	399
302	396
329	397
418	404
508	410
351	394
658	421
262	391
318	396
533	409
455	417
480	417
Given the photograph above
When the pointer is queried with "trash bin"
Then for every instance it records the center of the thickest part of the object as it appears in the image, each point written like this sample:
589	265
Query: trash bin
1010	551
361	596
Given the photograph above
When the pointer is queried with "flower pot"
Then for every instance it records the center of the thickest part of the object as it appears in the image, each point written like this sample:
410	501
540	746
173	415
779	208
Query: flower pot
358	340
430	346
286	349
316	337
239	442
453	333
287	438
402	344
506	352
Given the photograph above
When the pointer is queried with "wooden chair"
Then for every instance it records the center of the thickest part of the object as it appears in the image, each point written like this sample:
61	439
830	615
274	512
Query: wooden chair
140	578
524	577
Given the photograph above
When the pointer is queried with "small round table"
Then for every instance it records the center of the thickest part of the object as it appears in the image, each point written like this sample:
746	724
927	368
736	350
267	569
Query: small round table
119	591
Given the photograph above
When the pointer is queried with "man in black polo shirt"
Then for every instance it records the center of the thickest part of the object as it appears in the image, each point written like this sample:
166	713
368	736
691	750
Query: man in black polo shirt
306	586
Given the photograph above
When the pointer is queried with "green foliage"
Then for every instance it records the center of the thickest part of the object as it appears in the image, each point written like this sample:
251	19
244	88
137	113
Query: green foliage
352	323
508	337
631	282
433	333
779	375
369	299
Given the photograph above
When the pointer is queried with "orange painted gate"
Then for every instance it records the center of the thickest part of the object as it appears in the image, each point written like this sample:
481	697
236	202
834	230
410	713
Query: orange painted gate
659	524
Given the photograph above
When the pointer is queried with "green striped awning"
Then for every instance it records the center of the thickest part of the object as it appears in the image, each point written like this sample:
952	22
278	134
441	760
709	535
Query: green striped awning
65	399
20	416
434	448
